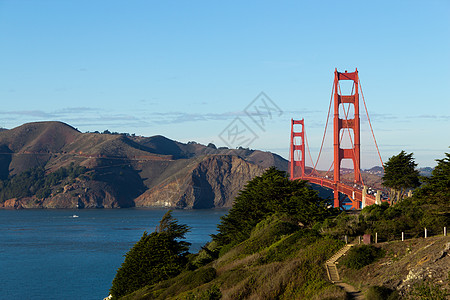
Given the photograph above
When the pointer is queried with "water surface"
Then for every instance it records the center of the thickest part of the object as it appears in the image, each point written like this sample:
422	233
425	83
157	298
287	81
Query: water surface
74	254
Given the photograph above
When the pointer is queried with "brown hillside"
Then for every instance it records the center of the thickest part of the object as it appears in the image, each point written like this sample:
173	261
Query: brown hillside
406	265
213	181
40	137
122	168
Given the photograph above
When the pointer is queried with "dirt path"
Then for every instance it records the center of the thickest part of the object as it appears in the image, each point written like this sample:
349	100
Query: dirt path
350	289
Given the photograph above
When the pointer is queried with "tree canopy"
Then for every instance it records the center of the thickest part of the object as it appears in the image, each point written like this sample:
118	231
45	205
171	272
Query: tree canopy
400	173
155	257
36	181
270	193
429	207
438	184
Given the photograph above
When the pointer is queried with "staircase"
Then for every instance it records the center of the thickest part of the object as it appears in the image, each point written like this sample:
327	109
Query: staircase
330	264
332	272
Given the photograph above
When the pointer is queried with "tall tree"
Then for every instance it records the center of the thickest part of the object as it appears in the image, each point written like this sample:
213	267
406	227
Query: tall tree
400	174
155	257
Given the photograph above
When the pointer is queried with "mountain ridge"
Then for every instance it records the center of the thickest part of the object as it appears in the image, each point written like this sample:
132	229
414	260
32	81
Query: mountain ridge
124	170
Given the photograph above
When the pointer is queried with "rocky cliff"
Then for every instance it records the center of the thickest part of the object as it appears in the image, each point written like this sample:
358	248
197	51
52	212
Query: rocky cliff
213	182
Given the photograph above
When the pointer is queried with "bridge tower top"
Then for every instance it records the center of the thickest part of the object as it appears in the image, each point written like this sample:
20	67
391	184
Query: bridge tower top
354	152
297	149
346	142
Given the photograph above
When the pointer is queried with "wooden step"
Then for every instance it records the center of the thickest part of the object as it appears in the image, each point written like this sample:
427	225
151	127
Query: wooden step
330	265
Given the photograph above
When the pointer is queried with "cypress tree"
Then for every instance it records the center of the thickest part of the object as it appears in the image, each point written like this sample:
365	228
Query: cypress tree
155	257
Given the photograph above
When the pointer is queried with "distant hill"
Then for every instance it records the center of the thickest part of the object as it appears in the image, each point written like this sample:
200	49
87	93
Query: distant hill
122	170
426	171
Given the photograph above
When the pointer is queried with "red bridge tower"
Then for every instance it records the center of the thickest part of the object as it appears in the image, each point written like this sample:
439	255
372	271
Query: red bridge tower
297	150
352	153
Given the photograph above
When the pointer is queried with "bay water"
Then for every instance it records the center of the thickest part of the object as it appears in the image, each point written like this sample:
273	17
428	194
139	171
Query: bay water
74	254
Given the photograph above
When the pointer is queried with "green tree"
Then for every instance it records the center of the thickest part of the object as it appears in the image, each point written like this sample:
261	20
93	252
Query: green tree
155	257
438	184
270	193
400	174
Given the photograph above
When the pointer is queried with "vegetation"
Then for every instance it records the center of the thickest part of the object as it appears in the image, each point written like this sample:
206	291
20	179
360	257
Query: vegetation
276	255
438	185
275	240
106	131
37	182
427	291
400	174
361	256
381	293
268	194
285	266
429	208
155	257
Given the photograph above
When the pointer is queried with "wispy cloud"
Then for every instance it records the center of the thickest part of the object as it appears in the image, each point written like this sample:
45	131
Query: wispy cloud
182	117
433	117
29	113
76	110
404	118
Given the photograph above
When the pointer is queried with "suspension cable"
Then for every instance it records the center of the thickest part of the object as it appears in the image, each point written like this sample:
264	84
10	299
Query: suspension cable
329	169
307	146
342	133
370	123
353	148
326	125
348	130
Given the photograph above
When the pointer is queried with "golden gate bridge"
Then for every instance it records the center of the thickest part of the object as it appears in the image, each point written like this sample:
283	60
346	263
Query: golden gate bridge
356	190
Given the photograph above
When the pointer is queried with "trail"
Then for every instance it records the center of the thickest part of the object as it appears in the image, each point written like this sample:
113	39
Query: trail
334	277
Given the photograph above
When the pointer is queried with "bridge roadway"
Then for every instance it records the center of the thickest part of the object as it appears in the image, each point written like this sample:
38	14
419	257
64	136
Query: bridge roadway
358	197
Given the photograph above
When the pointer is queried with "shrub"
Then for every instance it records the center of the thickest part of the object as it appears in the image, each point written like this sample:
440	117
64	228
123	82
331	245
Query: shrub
381	293
426	290
361	256
213	293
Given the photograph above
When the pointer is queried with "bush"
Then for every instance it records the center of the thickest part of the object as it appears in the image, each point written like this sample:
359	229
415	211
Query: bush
428	291
381	293
213	293
361	256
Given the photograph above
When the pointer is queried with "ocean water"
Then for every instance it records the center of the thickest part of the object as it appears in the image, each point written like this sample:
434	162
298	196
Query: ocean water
74	254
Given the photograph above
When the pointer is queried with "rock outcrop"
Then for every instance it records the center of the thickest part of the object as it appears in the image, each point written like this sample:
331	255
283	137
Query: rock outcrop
212	183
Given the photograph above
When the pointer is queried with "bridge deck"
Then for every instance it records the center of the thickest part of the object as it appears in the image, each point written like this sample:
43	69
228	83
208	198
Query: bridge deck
354	193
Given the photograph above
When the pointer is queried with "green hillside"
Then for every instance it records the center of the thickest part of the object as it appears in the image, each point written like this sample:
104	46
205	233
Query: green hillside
275	240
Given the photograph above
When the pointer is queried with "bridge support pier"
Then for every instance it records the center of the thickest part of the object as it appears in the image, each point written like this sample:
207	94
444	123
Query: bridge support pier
378	198
363	200
337	201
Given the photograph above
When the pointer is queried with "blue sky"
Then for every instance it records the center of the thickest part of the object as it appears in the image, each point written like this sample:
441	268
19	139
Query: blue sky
189	69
